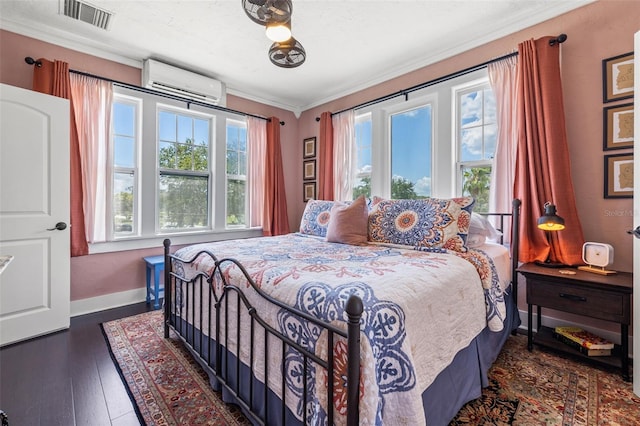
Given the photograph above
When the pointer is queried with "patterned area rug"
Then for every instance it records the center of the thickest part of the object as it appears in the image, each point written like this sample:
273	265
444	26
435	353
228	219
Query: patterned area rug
527	388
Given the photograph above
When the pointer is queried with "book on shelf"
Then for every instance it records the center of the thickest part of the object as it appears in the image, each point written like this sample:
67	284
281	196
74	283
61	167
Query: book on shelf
577	346
585	338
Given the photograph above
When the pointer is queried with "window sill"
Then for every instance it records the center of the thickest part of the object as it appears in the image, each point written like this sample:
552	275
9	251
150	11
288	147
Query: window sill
176	239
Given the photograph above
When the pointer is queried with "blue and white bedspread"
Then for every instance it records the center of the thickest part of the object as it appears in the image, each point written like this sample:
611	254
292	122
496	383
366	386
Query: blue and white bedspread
420	309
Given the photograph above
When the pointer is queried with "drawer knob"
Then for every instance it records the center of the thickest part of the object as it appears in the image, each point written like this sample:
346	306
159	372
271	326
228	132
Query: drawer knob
573	297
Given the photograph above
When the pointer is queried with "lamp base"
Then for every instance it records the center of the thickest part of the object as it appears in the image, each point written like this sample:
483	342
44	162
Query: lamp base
549	264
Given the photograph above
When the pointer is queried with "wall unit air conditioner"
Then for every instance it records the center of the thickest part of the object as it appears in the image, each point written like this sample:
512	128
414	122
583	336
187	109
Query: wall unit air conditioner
180	82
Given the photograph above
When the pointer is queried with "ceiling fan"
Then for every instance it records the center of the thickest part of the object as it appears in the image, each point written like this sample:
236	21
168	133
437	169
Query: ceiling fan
287	54
275	15
266	11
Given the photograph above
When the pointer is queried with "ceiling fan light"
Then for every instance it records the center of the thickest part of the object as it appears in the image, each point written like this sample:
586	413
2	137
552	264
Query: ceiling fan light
278	31
288	54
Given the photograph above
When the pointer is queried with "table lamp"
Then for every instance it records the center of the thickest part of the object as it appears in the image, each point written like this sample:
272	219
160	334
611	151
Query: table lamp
549	222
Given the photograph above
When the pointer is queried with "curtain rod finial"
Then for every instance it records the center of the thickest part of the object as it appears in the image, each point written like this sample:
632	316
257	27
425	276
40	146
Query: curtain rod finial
29	60
560	39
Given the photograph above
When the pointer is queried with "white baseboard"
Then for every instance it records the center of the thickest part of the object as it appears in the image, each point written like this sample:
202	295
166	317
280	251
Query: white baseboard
554	322
108	301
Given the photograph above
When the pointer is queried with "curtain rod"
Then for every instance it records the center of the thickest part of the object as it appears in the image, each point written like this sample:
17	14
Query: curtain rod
405	92
29	60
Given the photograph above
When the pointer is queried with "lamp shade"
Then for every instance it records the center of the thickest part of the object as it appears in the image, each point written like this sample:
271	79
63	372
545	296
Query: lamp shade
550	221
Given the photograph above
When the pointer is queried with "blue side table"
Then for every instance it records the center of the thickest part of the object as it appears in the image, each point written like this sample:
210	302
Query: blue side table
155	265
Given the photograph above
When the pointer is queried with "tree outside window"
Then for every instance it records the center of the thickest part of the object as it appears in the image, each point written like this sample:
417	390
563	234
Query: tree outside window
183	160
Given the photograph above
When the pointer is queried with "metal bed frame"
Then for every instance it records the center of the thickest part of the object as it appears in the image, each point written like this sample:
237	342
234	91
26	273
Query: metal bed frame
216	360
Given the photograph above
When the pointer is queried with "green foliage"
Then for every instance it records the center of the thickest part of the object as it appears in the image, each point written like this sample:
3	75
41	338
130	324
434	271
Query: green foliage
476	182
401	188
184	201
236	193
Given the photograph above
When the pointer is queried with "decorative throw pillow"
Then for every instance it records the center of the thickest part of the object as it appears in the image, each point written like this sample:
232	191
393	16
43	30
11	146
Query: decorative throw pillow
348	222
315	218
432	223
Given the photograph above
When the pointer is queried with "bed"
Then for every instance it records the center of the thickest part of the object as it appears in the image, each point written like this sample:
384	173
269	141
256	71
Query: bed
414	314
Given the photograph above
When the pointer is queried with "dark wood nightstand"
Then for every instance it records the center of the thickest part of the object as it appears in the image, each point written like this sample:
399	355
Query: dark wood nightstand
606	297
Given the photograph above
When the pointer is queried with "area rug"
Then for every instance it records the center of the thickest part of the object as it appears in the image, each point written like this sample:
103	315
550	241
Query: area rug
526	388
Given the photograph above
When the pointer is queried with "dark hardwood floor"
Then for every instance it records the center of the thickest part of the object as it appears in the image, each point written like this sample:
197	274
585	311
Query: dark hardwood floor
66	378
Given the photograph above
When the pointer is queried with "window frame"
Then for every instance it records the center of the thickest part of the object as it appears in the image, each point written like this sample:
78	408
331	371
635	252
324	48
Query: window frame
444	168
245	177
458	91
110	233
148	235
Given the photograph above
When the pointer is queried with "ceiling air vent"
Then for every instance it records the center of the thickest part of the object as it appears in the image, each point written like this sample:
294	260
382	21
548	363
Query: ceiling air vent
85	12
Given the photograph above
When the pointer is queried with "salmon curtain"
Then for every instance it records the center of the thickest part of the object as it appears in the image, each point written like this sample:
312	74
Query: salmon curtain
276	220
543	170
53	78
325	157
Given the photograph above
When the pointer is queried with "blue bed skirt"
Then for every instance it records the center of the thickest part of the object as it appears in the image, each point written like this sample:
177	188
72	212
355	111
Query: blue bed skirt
461	382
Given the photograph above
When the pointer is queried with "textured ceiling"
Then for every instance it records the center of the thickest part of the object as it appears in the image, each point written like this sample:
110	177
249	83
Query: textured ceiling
350	45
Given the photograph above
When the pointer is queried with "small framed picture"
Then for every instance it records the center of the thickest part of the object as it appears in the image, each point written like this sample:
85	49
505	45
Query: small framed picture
618	176
308	191
617	77
618	127
309	170
309	149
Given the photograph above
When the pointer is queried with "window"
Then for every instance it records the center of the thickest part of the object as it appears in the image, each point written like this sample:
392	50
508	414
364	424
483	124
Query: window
183	165
125	166
236	173
439	141
476	130
411	153
170	177
362	182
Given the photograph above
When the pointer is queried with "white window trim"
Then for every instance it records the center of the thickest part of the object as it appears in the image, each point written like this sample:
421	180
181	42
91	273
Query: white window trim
456	131
149	236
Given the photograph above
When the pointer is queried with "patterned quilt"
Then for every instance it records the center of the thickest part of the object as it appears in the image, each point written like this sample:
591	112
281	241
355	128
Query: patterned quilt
420	309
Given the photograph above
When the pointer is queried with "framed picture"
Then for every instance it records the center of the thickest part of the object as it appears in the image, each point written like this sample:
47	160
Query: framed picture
618	176
309	149
618	127
308	191
309	170
617	77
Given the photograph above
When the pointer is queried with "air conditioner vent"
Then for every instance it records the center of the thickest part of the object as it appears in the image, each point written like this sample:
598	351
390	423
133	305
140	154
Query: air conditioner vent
85	12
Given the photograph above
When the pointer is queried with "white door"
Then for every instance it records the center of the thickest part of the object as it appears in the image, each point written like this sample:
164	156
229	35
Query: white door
34	197
636	222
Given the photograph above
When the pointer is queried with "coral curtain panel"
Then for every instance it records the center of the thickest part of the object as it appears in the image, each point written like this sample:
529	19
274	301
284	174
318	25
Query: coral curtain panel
503	79
276	220
92	100
53	78
344	155
543	171
257	141
325	157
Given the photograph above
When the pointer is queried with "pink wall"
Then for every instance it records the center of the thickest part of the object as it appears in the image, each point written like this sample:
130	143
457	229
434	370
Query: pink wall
596	31
101	274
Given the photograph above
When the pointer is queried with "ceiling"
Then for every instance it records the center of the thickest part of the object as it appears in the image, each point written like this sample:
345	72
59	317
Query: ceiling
350	45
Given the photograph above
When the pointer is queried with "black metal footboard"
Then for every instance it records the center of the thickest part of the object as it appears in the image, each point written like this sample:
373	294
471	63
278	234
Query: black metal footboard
209	314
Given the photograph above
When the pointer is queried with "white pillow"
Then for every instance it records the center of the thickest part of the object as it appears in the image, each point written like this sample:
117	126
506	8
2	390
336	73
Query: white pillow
480	229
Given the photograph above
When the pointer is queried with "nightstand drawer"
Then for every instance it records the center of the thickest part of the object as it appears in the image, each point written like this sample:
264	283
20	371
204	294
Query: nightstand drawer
591	302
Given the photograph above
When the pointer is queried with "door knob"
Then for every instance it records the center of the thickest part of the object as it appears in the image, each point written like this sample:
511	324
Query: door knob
635	232
60	226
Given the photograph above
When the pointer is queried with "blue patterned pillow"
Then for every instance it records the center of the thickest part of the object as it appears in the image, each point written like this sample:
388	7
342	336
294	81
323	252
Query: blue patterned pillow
315	218
432	223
